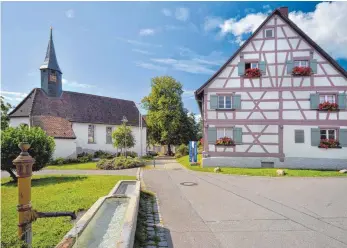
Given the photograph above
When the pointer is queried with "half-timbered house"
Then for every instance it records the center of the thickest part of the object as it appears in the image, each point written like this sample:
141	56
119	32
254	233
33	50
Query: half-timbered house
279	101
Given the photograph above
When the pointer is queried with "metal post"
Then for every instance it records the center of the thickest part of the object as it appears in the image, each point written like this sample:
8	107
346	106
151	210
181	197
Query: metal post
24	163
141	135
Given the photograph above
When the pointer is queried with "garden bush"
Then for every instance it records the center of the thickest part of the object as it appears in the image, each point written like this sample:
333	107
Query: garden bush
182	150
119	163
128	153
104	154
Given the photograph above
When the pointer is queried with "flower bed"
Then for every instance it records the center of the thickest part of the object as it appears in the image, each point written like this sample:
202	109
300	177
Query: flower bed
253	73
301	71
328	106
329	143
225	141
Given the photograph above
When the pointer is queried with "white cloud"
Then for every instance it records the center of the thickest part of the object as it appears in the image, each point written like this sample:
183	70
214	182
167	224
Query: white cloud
185	65
138	43
70	13
146	32
166	12
212	22
182	14
188	93
13	97
74	84
324	25
173	27
150	66
141	51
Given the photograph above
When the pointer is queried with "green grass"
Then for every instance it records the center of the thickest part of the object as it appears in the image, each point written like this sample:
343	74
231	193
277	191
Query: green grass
259	171
51	193
84	166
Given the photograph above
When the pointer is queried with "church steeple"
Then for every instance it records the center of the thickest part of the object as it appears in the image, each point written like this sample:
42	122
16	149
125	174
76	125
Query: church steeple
51	80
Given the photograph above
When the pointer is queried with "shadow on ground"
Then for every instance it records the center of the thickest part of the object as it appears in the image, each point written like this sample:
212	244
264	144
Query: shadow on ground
43	181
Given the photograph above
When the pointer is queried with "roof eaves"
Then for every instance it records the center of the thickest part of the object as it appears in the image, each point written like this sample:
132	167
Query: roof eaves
22	102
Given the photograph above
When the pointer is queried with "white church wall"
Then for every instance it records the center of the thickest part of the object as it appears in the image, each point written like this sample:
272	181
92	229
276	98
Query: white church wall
65	148
81	132
16	121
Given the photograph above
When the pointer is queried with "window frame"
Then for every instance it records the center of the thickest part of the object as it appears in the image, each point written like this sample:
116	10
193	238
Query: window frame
250	63
224	132
325	95
107	141
327	129
89	141
272	32
224	101
307	63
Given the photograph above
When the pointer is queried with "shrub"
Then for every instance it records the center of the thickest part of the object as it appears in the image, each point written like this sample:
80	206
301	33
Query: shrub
103	154
128	153
42	147
183	150
178	155
120	163
147	157
58	161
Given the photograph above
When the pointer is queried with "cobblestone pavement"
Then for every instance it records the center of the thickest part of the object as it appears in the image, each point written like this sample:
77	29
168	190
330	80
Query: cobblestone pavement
214	210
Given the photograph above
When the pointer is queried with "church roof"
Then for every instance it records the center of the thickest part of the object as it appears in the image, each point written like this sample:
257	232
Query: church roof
50	61
78	107
56	127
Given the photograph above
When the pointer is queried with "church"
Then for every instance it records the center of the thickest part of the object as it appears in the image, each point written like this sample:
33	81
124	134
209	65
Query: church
78	122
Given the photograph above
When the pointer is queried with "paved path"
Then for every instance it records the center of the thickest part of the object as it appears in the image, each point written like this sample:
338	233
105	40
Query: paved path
240	211
128	172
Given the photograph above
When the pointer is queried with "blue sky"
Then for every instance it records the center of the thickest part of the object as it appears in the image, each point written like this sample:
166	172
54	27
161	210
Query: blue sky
115	48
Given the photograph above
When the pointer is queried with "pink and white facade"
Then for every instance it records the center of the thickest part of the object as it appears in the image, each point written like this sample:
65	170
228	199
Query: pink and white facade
274	119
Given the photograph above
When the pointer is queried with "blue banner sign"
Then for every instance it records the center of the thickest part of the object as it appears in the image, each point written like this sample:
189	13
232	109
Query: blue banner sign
193	152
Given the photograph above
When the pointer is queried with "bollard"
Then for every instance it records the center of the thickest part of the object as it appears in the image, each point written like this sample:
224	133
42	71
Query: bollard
24	163
153	162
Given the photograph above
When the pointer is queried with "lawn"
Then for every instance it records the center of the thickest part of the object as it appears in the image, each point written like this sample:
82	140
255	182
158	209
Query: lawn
84	166
259	171
51	193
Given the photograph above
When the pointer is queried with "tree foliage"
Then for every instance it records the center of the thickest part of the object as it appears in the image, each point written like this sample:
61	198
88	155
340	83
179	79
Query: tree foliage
42	147
168	123
5	119
123	137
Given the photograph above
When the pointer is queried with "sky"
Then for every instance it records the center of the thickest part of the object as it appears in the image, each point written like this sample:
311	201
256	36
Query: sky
114	49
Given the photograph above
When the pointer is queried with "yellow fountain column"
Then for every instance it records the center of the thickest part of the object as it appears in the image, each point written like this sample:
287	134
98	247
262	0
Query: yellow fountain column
24	163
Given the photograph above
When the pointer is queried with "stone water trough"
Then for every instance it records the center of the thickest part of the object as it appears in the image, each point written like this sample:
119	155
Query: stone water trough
110	222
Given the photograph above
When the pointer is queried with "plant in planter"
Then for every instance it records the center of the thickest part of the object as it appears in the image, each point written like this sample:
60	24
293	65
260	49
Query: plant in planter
328	106
301	71
329	143
253	73
225	141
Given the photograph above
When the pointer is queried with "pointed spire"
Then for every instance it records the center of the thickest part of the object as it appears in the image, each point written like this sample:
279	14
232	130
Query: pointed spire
50	59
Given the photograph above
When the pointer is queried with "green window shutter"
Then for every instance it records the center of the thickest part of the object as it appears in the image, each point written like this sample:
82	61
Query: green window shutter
315	136
212	135
343	137
262	67
341	100
213	101
314	101
289	67
299	136
236	102
313	65
241	68
237	135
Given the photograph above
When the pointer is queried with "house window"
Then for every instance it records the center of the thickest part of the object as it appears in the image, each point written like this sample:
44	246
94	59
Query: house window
91	134
269	33
301	63
328	134
251	65
224	102
108	135
224	132
299	136
327	98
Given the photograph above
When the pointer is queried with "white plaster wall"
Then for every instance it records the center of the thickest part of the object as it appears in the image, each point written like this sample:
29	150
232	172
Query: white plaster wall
268	105
225	72
269	45
292	115
251	56
282	45
16	121
305	150
65	148
81	132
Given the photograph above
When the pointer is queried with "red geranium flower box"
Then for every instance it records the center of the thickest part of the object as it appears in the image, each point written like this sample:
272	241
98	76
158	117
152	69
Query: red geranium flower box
329	143
328	106
225	141
253	73
301	71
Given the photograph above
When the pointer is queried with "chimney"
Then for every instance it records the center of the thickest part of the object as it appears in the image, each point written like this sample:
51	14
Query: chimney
284	11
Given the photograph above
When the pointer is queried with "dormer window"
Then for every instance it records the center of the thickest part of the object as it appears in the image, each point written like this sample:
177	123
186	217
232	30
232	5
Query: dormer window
269	33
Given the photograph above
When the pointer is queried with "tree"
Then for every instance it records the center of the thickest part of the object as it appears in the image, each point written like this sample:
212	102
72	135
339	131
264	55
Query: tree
123	137
5	119
42	147
167	121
